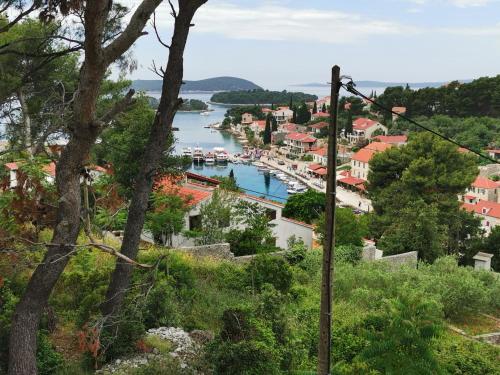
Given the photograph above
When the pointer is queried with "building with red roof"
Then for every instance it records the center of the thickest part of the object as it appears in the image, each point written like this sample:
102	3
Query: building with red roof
399	111
363	128
494	154
316	128
360	160
258	126
397	140
299	143
320	115
489	212
320	155
485	189
283	115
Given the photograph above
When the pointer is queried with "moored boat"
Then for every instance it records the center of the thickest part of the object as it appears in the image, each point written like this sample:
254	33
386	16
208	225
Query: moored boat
187	151
198	156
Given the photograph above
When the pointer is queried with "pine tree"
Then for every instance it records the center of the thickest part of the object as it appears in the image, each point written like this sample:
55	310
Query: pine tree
294	118
323	108
231	175
267	131
315	108
291	102
303	115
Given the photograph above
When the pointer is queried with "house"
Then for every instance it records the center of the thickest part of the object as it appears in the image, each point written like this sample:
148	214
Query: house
317	170
489	212
320	155
49	170
258	126
283	115
360	160
397	140
494	154
197	190
318	127
299	143
484	189
399	111
246	118
323	101
363	128
318	115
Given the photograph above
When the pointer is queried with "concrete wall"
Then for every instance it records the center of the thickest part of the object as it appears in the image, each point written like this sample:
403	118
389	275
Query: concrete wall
371	253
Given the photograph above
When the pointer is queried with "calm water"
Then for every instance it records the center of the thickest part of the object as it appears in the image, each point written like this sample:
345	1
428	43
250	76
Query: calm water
192	134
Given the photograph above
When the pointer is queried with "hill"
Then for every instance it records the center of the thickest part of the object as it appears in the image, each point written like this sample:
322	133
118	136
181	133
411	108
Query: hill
261	97
381	84
209	84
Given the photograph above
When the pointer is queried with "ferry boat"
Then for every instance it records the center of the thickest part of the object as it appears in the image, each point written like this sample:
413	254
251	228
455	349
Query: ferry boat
209	158
187	151
198	155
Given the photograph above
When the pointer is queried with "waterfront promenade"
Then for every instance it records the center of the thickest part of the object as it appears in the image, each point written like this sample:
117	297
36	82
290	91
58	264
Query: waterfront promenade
344	196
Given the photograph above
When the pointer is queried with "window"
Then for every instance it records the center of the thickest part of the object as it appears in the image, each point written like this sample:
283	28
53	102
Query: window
195	222
271	214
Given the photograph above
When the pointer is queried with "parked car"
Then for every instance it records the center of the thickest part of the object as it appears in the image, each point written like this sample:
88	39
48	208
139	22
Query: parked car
281	162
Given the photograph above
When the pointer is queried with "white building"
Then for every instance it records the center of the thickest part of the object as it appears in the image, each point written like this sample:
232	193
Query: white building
363	128
199	190
360	161
483	189
283	115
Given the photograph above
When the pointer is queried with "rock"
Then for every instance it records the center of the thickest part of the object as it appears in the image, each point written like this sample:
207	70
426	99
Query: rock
202	337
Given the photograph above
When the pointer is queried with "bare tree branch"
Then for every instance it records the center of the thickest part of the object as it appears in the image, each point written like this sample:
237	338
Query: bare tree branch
19	17
173	13
157	34
118	107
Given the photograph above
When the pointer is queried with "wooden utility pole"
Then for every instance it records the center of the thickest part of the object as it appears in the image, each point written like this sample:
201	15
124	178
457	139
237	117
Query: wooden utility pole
325	320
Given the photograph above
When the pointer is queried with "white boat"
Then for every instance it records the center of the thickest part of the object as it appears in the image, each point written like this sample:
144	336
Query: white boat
187	151
205	113
198	154
291	191
221	156
209	158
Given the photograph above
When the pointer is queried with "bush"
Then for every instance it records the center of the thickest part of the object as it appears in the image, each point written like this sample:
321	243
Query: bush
348	254
266	269
47	359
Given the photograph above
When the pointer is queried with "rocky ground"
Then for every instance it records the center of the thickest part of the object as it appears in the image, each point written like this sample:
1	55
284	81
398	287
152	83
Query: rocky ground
185	348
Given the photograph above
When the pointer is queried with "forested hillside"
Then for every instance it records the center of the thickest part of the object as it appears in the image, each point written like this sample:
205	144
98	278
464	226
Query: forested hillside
209	84
261	97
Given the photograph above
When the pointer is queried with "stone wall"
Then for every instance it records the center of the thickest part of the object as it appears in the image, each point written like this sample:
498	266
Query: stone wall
218	251
248	258
409	259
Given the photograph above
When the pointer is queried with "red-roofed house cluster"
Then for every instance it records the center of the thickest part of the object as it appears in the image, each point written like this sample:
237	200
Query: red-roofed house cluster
483	198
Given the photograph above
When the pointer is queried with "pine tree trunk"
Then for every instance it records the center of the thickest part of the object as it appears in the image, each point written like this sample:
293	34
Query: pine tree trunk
160	132
84	131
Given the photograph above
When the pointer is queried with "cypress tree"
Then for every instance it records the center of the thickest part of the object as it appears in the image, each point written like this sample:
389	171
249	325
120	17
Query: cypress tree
231	175
323	109
315	108
267	131
274	124
348	126
294	118
291	102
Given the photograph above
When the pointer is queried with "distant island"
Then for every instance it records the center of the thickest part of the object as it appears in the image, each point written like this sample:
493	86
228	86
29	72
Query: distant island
261	97
210	85
189	105
381	84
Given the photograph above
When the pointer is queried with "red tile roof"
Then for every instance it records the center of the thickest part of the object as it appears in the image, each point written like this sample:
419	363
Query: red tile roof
321	114
364	155
321	171
485	208
11	166
363	123
354	181
304	138
378	146
266	110
320	152
297	222
399	110
494	151
199	177
485	183
189	194
314	166
392	138
260	123
319	125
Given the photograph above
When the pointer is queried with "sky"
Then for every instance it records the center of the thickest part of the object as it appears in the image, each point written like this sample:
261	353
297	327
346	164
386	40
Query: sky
276	43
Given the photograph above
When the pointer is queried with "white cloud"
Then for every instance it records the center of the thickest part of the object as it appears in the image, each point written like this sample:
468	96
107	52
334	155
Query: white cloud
457	3
281	23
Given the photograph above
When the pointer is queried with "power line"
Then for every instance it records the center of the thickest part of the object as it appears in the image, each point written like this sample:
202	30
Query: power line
350	87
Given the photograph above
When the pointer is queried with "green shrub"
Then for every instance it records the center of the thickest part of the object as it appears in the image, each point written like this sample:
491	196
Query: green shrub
348	254
267	269
47	359
161	307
